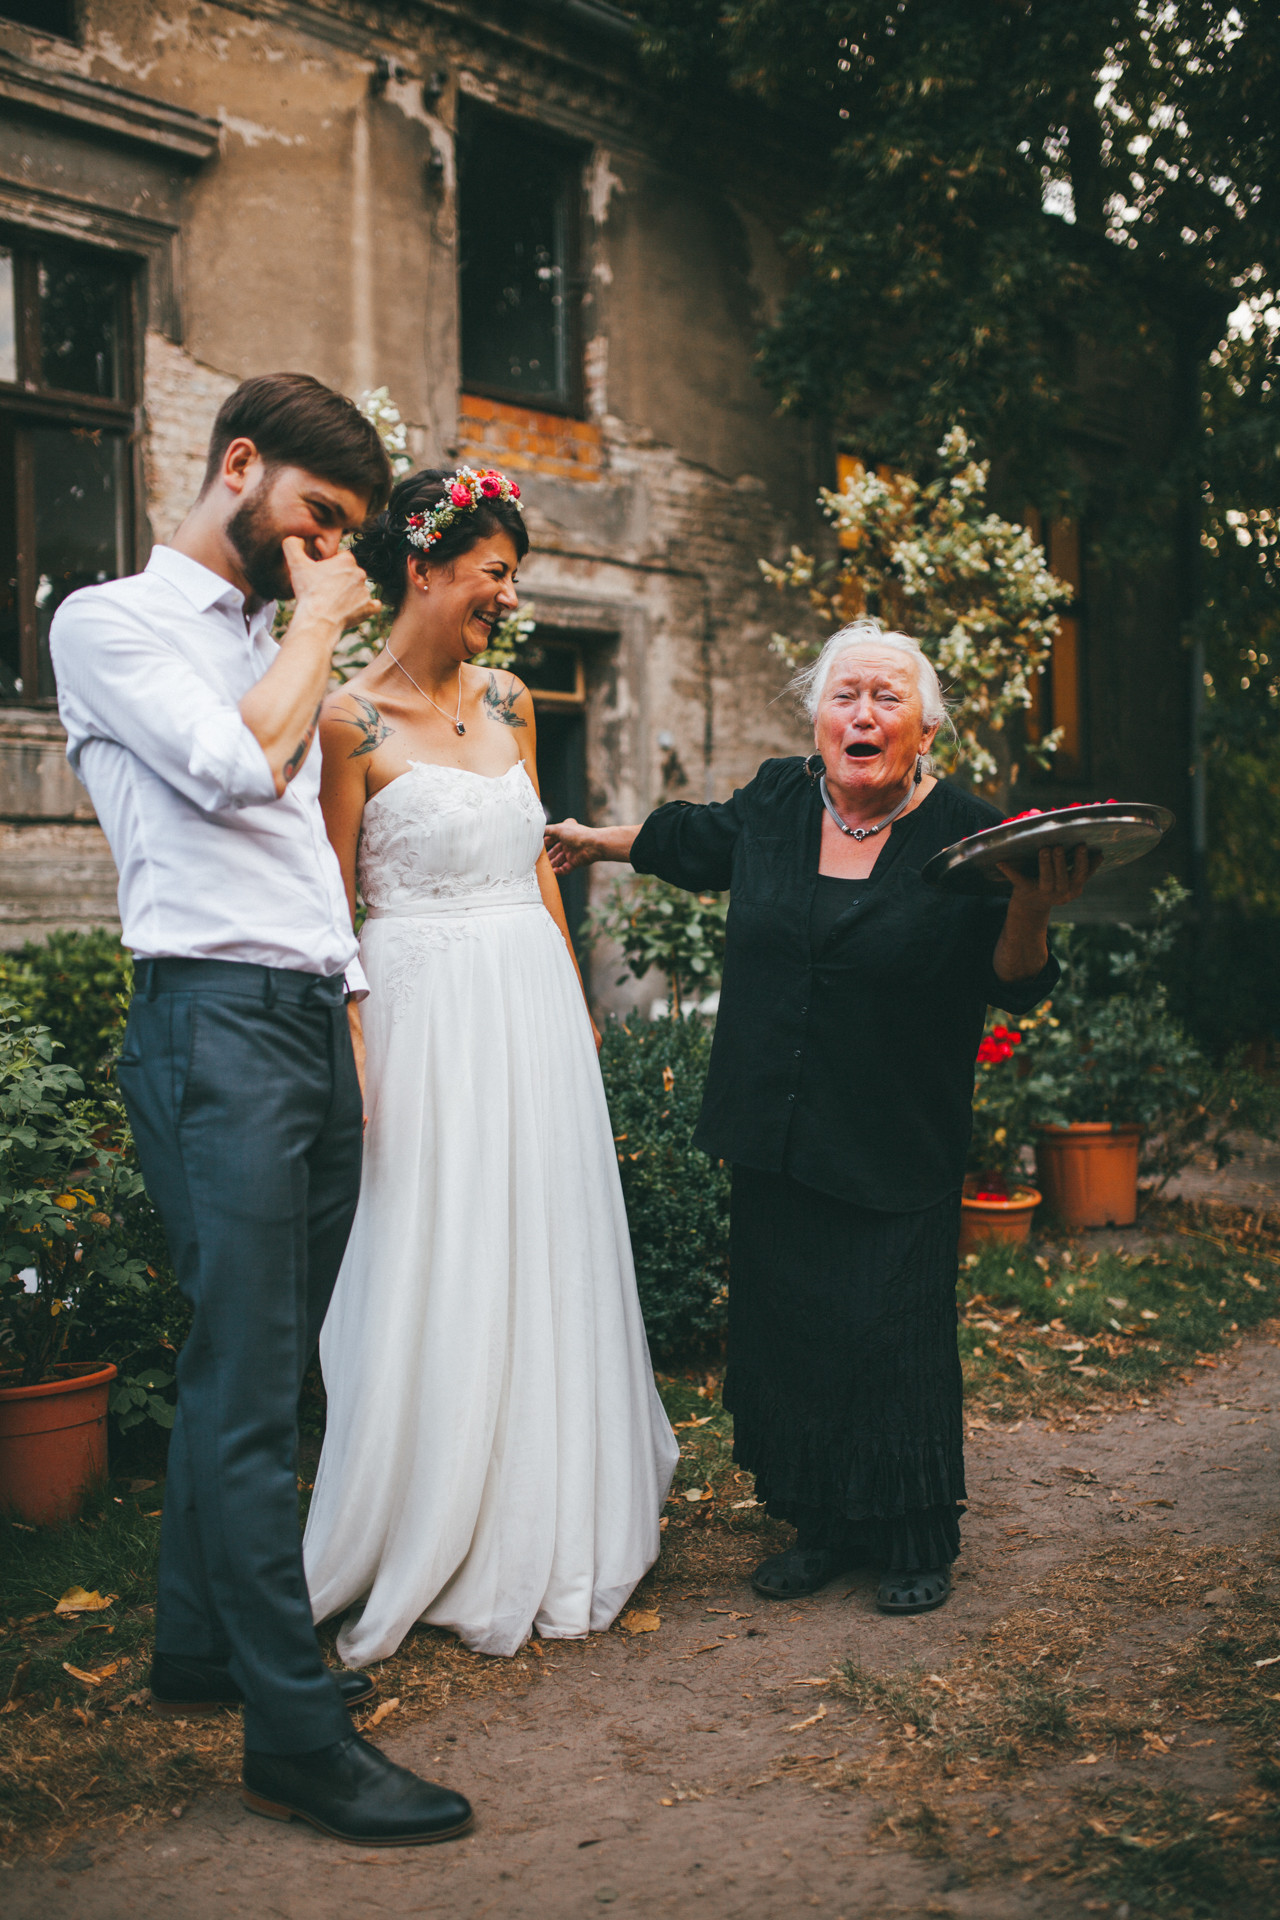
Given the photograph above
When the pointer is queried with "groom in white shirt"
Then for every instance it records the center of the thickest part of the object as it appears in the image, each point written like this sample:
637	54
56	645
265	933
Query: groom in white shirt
193	732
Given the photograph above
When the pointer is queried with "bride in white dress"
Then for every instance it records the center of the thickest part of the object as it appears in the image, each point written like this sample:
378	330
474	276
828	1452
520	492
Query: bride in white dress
496	1455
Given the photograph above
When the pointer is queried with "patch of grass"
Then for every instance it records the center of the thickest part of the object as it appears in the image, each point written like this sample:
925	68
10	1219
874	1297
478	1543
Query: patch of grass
1164	1853
1046	1327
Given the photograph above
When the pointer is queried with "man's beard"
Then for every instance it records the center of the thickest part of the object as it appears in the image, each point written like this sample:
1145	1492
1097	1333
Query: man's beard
257	540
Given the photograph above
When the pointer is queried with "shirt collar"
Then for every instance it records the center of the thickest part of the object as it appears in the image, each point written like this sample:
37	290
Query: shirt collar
206	589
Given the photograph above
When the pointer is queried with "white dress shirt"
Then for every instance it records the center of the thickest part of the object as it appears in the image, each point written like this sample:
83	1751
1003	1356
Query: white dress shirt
212	866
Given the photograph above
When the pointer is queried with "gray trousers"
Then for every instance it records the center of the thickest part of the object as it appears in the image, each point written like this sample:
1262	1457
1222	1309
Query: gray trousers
242	1094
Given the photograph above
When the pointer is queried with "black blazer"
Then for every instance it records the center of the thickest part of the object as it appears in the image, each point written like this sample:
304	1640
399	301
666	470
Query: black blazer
852	1072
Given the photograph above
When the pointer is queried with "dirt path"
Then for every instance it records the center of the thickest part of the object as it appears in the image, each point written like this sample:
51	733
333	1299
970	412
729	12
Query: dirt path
701	1762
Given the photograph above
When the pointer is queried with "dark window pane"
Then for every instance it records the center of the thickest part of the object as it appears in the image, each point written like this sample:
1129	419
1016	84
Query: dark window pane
80	519
80	302
550	666
8	319
46	16
517	198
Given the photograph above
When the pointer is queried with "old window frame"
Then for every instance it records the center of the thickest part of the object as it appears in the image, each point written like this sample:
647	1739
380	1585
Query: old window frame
478	121
29	403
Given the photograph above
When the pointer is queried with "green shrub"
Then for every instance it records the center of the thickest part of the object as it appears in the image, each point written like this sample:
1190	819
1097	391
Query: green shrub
658	925
677	1198
64	1183
77	985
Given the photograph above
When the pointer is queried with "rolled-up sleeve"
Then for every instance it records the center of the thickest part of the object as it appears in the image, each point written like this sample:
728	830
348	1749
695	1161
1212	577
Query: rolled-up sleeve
119	680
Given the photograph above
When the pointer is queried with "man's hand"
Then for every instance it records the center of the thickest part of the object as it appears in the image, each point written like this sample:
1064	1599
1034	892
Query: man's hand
334	591
282	710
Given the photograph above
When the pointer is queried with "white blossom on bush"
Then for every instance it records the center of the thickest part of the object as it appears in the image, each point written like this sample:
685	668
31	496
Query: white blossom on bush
973	589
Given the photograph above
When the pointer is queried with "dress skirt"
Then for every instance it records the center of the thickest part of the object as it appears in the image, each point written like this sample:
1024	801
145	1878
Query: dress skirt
843	1371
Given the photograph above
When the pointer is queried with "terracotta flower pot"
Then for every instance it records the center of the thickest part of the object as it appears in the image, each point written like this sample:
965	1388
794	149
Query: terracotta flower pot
1089	1173
1006	1219
53	1442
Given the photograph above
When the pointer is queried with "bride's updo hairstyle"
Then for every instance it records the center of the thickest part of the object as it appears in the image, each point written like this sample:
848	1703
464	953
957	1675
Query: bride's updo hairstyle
385	544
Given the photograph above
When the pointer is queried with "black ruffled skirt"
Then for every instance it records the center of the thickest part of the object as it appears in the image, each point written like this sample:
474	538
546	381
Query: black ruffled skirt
843	1375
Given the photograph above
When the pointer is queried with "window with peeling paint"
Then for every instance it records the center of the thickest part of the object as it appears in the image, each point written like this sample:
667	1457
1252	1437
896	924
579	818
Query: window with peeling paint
68	349
519	210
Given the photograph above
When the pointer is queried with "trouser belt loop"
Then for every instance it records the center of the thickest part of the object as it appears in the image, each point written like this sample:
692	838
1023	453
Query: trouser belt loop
269	989
150	984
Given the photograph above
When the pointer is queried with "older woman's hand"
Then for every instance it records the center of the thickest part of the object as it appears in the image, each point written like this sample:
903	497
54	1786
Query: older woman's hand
1061	879
569	844
1023	949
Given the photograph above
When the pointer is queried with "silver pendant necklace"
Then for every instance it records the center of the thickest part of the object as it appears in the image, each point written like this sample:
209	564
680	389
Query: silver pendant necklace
863	833
456	722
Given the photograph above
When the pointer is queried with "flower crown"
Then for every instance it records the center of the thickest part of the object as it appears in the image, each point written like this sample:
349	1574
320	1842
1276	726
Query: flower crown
469	488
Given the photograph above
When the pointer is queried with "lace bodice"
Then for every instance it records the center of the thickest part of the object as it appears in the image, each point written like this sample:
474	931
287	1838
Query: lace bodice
439	835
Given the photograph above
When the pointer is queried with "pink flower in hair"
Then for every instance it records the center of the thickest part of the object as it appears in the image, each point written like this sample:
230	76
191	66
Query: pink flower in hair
460	494
491	485
515	491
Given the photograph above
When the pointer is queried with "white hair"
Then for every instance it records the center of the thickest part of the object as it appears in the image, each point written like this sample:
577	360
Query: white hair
810	683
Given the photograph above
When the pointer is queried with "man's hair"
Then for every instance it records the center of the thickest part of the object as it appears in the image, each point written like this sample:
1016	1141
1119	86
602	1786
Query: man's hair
295	421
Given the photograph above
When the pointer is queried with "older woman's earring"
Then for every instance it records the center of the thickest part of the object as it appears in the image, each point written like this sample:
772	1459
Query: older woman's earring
813	765
919	768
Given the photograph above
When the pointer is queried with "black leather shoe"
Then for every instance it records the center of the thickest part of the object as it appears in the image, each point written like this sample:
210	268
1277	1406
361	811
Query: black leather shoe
352	1791
182	1687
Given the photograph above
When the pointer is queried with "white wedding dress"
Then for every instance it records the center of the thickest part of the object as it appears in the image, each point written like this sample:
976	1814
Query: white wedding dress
496	1455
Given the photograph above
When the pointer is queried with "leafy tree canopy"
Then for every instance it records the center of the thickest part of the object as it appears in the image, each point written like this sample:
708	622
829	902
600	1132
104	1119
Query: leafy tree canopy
1000	189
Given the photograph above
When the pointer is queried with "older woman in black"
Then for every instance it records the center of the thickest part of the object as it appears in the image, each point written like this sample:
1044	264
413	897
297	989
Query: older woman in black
840	1091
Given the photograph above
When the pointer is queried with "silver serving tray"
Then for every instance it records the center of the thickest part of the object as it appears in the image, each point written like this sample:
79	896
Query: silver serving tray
1120	830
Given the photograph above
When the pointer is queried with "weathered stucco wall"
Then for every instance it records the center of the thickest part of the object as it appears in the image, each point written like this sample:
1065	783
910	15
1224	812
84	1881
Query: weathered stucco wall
323	237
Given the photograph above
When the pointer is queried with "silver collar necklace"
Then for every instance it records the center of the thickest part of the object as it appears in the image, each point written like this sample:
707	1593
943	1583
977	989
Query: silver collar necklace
863	833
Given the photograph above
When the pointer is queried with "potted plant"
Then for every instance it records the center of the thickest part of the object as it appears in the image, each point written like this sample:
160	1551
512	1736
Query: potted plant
1111	1065
998	1201
63	1178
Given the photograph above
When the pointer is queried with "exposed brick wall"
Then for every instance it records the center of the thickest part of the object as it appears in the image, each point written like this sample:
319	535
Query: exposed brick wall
528	441
182	399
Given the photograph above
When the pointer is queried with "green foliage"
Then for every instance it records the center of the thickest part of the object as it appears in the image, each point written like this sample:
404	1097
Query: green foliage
1007	1093
974	589
64	1180
76	984
994	195
677	1198
1112	1048
658	925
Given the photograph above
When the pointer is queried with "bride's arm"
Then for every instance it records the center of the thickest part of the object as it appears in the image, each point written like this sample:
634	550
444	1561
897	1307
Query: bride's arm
342	799
521	707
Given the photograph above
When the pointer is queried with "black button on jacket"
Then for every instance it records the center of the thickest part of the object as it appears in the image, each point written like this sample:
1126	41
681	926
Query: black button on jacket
851	1071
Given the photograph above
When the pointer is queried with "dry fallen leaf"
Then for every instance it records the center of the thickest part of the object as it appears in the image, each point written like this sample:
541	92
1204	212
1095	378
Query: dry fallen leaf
77	1600
695	1494
94	1679
380	1713
641	1620
812	1721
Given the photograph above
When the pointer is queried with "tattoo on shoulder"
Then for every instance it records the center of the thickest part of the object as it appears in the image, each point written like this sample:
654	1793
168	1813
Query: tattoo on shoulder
369	724
299	753
502	706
